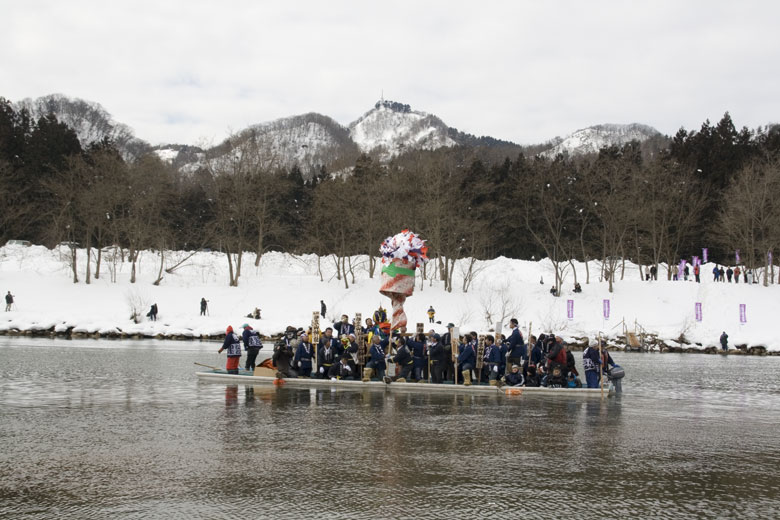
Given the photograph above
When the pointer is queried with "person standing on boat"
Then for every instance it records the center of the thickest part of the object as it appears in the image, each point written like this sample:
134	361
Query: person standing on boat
417	348
327	355
467	359
592	365
328	352
233	346
303	356
377	364
492	359
438	359
517	350
252	345
724	341
344	327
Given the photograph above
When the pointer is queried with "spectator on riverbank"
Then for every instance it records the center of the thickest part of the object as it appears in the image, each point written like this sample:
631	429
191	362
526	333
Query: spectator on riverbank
9	301
724	341
204	306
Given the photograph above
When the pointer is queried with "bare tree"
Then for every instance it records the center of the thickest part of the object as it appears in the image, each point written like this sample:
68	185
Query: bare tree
750	218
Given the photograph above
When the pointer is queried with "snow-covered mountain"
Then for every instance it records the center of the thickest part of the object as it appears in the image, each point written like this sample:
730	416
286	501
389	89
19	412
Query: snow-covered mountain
594	138
390	128
89	120
316	143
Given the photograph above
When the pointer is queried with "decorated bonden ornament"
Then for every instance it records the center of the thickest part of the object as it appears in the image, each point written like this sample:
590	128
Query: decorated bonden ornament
401	255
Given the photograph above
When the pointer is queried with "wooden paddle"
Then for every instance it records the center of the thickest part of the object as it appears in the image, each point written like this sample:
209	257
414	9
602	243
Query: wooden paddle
207	366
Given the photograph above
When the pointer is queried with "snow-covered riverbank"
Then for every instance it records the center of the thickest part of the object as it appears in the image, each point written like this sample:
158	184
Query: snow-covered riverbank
288	288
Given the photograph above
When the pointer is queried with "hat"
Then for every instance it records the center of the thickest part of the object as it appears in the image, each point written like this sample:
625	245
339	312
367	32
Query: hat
450	325
229	329
515	366
245	326
436	337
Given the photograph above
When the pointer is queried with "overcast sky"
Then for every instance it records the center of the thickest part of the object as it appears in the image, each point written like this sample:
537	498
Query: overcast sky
191	72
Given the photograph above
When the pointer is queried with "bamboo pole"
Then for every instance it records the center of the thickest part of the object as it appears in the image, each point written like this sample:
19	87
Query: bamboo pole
454	340
315	336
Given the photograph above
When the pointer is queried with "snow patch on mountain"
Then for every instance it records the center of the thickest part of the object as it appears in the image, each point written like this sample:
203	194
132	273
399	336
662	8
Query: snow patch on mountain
594	138
392	128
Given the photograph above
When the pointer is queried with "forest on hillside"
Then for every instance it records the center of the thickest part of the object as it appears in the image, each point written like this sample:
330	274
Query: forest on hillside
715	187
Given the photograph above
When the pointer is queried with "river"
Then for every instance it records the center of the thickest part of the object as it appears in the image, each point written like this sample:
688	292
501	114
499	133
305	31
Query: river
110	429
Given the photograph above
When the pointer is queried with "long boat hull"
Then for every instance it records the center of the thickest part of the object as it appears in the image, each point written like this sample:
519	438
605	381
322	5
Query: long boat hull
421	388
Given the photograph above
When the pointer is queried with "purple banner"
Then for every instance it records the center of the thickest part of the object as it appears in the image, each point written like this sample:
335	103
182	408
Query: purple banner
704	255
696	261
682	270
698	311
742	313
606	309
736	255
570	309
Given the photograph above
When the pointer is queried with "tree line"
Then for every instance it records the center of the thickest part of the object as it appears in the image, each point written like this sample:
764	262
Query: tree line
716	187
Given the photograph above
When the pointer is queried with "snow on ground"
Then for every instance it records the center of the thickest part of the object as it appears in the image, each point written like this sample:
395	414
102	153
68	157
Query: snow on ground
288	288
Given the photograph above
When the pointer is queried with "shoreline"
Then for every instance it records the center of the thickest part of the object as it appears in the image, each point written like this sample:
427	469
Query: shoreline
616	344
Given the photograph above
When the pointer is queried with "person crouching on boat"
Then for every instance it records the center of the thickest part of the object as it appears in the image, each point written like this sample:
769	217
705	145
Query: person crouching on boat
252	345
514	377
467	359
556	364
281	358
402	358
233	346
532	378
377	365
342	369
303	356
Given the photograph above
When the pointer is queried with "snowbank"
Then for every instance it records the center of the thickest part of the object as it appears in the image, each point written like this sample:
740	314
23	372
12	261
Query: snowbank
288	288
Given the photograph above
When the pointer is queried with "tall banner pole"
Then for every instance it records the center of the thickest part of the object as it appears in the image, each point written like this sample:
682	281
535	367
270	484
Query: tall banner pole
480	361
315	335
454	341
359	339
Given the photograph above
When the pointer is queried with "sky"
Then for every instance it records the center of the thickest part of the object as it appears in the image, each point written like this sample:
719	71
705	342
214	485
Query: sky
192	72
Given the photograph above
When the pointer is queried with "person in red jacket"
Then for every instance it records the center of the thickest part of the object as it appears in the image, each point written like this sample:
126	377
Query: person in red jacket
233	346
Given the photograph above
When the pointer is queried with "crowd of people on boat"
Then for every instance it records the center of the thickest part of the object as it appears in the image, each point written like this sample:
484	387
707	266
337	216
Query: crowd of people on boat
341	352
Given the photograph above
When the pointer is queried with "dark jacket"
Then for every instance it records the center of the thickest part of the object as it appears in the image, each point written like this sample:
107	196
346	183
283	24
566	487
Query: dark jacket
437	353
304	354
232	344
251	339
517	348
467	356
403	356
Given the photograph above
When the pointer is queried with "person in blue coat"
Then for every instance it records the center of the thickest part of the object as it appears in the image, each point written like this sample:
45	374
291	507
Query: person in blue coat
377	363
593	365
303	356
232	344
419	361
252	345
517	350
492	359
467	360
514	378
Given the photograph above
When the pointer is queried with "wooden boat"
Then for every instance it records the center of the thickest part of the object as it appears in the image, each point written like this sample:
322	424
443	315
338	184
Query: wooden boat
220	376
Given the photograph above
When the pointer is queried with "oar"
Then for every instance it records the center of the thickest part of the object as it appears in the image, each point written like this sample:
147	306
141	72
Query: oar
207	366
